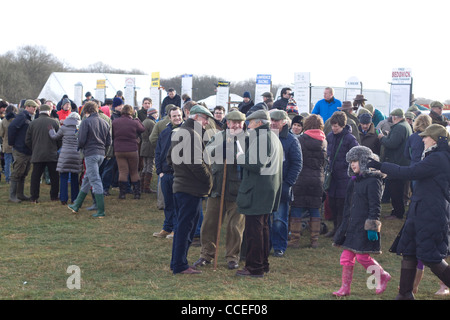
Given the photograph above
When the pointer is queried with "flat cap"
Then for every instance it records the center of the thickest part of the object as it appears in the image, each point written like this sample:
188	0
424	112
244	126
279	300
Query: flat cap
235	115
259	115
435	131
278	115
198	109
30	103
436	104
410	115
397	113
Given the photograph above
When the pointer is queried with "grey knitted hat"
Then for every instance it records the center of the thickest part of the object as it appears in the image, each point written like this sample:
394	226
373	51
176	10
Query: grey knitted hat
361	154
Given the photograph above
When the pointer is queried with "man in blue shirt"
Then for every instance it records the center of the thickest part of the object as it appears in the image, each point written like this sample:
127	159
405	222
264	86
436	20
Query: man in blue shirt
328	105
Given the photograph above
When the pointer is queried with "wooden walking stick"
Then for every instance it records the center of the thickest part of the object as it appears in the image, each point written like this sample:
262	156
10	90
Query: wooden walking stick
219	226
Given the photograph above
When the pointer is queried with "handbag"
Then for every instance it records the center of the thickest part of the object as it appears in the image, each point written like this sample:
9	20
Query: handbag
329	170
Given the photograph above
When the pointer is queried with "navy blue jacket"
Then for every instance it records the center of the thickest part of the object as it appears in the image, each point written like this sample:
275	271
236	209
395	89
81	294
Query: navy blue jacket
17	132
414	148
168	100
162	147
425	233
292	162
339	177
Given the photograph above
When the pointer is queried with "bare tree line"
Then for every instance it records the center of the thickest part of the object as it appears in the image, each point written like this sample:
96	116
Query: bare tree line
24	72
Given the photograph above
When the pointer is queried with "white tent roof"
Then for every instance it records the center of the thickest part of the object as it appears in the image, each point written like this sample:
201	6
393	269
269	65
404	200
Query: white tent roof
211	100
60	83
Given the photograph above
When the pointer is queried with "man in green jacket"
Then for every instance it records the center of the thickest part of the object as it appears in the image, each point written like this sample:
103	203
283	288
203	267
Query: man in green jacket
260	190
192	181
223	147
394	146
44	152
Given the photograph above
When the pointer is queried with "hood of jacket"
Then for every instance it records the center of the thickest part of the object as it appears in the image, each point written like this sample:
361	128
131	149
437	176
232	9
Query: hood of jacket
315	134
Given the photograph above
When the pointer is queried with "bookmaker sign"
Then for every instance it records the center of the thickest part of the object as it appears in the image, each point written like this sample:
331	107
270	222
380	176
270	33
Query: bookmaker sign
401	76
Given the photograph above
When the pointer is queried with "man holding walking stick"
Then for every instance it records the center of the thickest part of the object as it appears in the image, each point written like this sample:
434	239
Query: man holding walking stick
222	150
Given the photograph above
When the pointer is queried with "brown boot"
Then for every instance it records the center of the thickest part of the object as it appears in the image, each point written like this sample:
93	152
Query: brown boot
296	228
142	178
417	279
148	188
314	226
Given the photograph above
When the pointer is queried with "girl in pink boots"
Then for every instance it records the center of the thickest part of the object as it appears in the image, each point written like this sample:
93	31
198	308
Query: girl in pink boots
359	232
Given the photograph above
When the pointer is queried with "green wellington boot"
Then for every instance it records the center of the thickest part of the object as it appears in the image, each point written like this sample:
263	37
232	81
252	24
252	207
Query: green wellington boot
100	200
78	202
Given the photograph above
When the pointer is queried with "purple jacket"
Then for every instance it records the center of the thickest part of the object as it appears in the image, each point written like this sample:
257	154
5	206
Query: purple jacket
339	176
125	131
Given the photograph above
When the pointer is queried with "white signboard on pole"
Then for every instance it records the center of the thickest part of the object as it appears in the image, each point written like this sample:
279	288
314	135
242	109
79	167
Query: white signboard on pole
129	91
302	94
186	85
78	93
223	94
400	89
263	84
353	87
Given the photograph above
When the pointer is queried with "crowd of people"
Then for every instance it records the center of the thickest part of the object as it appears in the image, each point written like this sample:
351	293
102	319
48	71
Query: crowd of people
259	167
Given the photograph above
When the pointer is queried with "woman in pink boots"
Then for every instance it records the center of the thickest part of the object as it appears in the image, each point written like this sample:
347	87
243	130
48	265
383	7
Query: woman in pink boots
359	232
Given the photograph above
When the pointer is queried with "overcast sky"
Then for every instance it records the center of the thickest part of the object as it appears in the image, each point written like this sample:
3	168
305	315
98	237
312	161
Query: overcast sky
236	40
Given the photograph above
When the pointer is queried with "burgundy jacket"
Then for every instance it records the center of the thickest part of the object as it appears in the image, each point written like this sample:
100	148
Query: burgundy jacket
125	133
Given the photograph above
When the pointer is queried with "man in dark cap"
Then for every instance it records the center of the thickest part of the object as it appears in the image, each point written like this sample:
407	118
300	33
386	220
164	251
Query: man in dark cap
21	152
246	103
436	114
368	134
394	146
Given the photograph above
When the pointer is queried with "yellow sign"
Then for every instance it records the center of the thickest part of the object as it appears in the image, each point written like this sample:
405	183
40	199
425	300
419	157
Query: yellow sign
101	84
155	80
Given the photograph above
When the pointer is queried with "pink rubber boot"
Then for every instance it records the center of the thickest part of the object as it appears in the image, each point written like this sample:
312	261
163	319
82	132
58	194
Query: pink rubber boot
347	277
367	261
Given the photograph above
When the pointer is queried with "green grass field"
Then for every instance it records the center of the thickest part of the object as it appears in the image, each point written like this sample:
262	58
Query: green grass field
119	259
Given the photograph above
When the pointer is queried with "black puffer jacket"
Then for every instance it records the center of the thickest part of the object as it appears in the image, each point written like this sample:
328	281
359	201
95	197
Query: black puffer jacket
308	189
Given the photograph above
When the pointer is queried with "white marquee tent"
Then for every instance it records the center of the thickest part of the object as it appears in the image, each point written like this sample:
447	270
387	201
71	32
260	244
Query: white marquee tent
211	101
60	83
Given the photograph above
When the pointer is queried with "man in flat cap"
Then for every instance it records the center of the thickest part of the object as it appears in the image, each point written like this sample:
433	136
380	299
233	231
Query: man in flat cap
292	165
394	146
436	114
44	152
260	191
21	152
192	181
222	150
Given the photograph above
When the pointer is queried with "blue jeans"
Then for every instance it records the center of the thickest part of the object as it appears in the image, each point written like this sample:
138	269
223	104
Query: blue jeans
63	186
8	161
92	175
279	227
303	212
187	208
170	220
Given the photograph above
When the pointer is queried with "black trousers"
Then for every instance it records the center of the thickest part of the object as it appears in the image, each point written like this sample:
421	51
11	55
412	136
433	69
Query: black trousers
257	237
396	190
35	183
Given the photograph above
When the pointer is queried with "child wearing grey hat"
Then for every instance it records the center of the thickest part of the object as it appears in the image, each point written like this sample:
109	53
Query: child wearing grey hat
359	233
